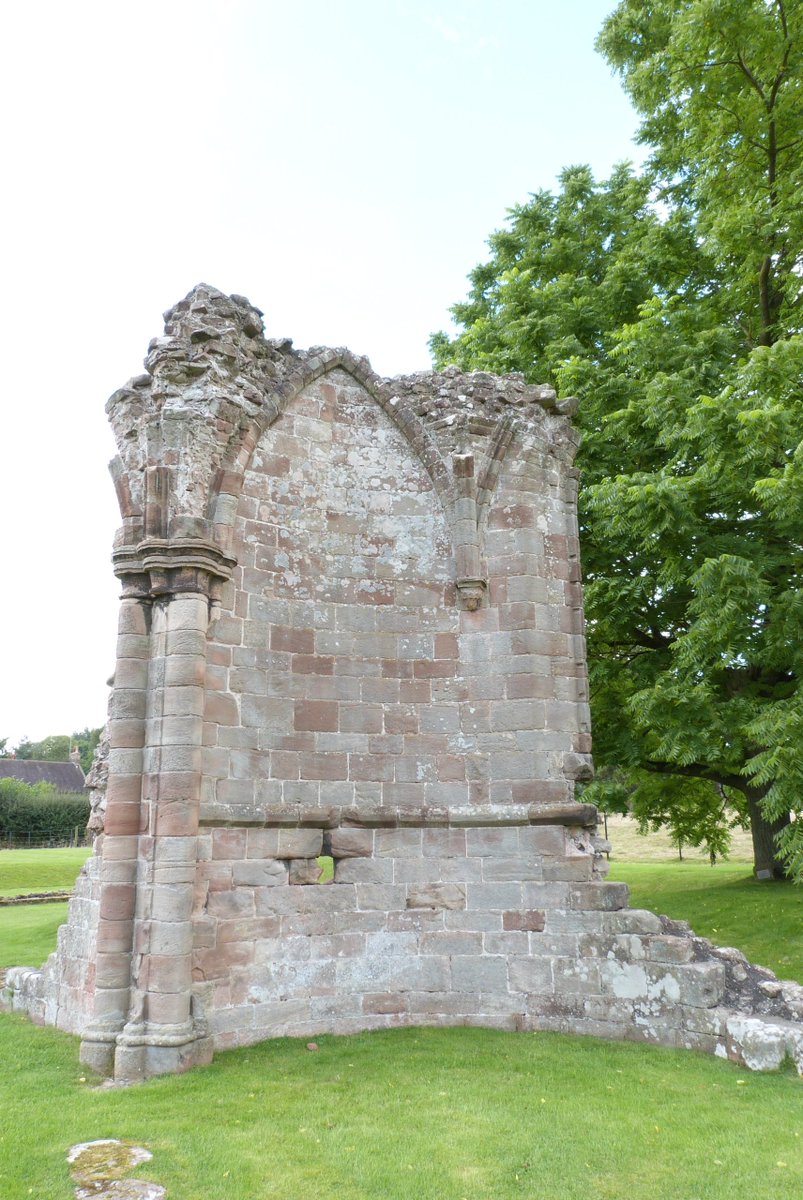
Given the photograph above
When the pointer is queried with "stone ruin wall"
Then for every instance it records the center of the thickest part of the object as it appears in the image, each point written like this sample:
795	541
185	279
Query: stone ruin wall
352	626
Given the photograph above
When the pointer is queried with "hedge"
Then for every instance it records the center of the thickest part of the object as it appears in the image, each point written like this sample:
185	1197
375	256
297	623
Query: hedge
37	811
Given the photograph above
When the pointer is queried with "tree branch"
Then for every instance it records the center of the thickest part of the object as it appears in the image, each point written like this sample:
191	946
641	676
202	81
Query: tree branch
696	771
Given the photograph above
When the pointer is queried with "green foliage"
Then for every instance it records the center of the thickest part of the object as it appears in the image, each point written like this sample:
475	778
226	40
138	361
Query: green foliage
718	86
85	742
57	747
39	813
694	812
669	303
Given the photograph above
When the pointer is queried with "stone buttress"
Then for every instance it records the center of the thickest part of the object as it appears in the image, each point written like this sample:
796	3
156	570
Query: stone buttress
351	626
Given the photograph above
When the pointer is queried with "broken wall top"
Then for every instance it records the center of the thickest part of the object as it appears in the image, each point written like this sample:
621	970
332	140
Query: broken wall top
187	429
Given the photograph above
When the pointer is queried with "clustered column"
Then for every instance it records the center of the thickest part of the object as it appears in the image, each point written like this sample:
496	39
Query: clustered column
143	1021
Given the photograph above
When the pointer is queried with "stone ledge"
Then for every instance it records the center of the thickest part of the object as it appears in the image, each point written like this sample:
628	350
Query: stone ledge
214	814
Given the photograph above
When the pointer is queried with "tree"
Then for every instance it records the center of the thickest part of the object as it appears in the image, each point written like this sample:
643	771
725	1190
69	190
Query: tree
85	741
57	747
718	86
683	344
54	748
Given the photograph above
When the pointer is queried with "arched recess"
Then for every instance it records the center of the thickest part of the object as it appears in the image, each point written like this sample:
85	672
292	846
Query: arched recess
334	678
227	485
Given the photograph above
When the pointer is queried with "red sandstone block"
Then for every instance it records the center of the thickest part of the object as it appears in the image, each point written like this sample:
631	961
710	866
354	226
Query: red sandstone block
319	715
312	664
176	818
217	875
113	937
484	620
403	795
221	709
285	764
262	843
346	842
360	718
369	592
526	686
435	669
382	691
235	791
118	901
450	768
396	668
415	691
296	641
381	1003
209	964
127	733
424	744
275	464
168	972
323	766
511	516
179	785
446	645
444	843
541	791
401	719
556	545
371	767
531	921
131	673
414	768
124	819
228	843
517	616
386	744
228	630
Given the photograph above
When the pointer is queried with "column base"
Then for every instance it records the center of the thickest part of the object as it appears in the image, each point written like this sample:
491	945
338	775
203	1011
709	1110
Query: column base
147	1058
97	1052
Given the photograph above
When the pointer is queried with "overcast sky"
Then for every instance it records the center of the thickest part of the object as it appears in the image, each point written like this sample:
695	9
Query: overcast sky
340	162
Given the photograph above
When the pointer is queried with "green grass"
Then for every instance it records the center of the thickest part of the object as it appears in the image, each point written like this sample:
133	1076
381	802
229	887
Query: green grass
724	903
424	1114
24	871
433	1114
28	933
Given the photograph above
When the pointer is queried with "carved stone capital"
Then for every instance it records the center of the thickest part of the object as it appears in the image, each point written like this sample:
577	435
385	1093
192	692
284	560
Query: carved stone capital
157	567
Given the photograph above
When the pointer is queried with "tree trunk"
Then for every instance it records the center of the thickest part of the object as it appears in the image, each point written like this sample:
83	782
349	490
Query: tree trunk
766	863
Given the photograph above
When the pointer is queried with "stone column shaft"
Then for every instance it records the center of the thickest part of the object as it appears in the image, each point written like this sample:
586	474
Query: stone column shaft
121	837
160	1026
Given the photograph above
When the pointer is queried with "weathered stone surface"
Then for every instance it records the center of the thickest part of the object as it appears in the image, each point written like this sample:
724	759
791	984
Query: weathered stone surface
352	625
437	895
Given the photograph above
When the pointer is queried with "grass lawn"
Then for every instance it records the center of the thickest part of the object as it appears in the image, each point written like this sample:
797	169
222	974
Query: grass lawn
724	903
28	933
459	1114
24	871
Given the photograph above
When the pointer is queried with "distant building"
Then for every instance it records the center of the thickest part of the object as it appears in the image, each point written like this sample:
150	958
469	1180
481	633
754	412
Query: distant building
64	776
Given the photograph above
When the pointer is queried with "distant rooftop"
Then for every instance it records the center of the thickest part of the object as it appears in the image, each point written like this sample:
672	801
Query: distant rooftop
64	776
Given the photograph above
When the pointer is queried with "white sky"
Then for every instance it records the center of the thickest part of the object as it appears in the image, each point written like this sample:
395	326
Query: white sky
339	162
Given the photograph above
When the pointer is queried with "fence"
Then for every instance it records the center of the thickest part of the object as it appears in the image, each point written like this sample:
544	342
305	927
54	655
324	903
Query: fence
23	841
